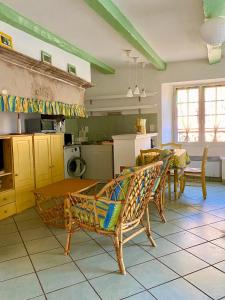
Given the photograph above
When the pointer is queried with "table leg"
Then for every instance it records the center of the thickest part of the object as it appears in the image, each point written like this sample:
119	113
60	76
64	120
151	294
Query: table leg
175	184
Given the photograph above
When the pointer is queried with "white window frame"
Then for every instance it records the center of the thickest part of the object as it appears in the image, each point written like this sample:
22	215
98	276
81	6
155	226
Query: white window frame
201	113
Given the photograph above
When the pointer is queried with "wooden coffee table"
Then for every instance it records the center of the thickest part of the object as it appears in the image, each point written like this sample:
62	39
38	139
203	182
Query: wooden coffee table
50	198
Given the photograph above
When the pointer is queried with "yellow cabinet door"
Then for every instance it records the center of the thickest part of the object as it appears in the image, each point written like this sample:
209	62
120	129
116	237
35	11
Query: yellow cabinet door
23	171
42	160
57	141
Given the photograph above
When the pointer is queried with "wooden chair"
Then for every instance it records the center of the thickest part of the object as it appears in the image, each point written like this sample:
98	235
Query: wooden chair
149	155
116	210
158	195
171	146
197	173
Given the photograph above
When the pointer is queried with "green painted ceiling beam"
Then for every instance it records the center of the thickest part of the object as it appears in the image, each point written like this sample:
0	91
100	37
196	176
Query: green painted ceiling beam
112	14
212	9
13	18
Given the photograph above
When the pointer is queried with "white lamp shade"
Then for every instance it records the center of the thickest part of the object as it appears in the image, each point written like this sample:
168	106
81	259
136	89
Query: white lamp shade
129	93
213	31
136	90
143	93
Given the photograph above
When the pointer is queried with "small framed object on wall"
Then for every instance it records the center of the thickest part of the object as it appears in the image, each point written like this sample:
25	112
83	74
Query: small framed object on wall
71	69
46	57
5	40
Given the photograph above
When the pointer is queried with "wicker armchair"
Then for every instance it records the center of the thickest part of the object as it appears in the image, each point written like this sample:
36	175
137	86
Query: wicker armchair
117	209
158	195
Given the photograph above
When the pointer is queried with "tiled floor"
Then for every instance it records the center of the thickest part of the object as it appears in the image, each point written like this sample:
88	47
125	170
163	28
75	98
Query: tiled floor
188	262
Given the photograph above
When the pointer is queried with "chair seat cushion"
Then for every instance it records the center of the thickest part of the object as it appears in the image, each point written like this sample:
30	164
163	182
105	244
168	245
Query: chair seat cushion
192	170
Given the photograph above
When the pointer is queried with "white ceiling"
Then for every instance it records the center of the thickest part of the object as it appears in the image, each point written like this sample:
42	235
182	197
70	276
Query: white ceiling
171	27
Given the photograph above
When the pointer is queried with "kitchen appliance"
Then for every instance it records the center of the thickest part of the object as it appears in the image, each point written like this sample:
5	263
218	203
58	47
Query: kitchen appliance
40	125
74	165
68	139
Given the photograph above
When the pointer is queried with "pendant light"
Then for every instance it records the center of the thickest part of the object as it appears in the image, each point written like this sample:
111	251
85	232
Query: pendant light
129	90
136	89
143	92
213	31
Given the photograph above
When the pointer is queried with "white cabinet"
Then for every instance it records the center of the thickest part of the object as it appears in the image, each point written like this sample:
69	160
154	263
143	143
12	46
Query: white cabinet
99	160
127	147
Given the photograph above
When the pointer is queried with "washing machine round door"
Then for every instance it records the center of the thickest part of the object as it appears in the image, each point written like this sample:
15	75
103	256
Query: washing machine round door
76	167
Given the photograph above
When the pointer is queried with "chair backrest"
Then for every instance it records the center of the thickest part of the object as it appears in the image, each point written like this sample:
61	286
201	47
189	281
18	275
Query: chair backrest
161	181
171	146
149	155
204	160
135	189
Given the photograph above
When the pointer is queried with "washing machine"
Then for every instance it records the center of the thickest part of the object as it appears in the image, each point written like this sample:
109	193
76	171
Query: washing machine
74	165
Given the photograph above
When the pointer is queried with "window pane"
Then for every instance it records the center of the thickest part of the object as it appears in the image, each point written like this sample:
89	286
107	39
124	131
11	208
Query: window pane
209	136
181	136
221	93
182	123
220	121
193	109
193	136
193	95
210	108
182	109
220	137
210	93
210	122
221	107
182	96
193	122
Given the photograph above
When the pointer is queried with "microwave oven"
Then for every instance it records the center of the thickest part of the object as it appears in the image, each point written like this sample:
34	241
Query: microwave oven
40	125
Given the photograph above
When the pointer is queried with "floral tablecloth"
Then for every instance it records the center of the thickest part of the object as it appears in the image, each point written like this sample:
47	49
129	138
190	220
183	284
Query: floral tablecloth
180	158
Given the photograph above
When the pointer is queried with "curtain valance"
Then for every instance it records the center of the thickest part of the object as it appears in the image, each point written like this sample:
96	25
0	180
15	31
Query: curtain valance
31	105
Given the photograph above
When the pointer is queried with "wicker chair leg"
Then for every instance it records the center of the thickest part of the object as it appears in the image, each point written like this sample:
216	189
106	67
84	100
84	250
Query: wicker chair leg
169	186
119	254
68	243
148	229
204	192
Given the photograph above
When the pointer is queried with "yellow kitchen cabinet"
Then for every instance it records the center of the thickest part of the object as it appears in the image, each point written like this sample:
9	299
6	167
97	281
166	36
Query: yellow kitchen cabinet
23	171
57	155
48	158
42	160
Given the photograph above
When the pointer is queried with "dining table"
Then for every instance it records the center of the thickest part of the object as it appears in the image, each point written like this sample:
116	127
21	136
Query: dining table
180	159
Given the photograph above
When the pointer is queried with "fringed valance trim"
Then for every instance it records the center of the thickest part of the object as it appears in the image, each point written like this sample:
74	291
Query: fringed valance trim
30	105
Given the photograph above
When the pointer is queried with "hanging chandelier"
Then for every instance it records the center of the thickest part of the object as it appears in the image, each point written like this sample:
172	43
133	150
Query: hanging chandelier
136	91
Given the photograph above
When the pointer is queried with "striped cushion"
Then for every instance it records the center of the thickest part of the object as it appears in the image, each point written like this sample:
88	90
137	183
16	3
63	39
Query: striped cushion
164	158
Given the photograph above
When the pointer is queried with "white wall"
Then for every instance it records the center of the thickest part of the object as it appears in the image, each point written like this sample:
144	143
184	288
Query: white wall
163	82
8	121
159	81
31	46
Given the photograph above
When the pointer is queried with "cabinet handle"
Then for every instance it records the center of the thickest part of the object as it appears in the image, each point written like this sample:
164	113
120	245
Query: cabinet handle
16	174
4	199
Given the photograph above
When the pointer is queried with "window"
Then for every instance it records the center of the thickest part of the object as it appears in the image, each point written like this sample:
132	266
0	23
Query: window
200	114
214	114
188	115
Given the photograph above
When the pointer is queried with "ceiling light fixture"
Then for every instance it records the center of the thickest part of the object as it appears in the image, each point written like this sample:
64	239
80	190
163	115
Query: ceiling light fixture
213	31
129	90
136	89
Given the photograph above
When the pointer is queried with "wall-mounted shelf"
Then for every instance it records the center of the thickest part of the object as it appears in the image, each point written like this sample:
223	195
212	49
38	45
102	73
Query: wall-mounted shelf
111	97
45	69
120	108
